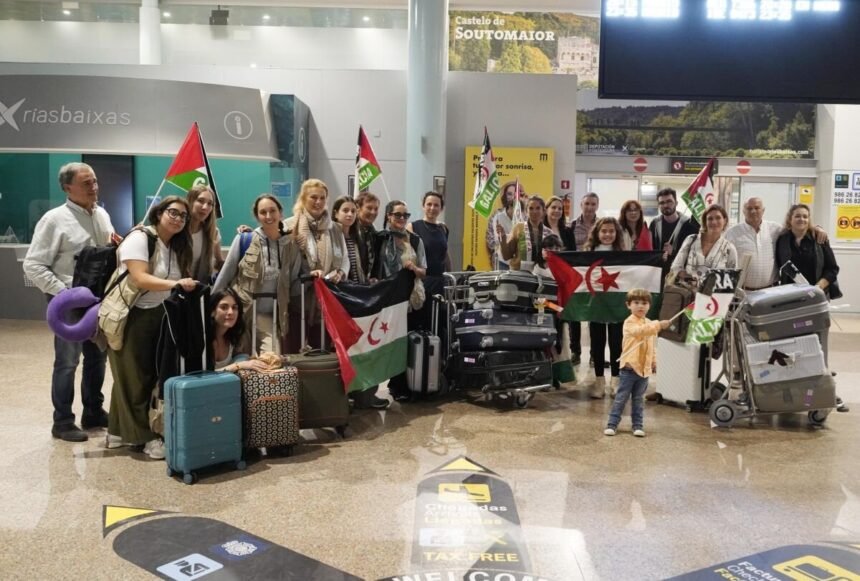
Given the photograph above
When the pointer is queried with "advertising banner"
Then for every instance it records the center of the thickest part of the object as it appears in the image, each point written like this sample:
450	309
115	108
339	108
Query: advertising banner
534	168
846	203
565	43
129	116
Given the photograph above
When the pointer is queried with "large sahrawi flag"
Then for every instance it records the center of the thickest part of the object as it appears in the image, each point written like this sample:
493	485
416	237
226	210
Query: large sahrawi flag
367	324
593	286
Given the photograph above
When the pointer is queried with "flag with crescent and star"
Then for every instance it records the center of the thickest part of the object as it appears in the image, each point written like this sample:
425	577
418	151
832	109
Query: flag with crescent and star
711	306
593	286
367	324
694	196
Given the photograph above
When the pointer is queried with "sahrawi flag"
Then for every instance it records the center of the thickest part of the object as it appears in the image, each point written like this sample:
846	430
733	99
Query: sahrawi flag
191	168
367	324
486	181
694	196
593	286
366	167
711	306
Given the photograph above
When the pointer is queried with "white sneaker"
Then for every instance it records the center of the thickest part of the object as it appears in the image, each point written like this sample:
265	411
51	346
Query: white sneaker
610	432
613	385
640	433
112	442
154	449
598	389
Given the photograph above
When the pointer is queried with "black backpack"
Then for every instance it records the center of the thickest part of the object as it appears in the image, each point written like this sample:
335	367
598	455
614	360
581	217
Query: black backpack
94	266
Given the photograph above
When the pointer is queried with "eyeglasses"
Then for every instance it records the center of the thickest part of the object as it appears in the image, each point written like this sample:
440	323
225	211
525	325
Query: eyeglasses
400	215
175	214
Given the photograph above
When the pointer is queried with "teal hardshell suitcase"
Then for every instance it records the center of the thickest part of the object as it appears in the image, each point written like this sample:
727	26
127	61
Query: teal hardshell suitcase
202	422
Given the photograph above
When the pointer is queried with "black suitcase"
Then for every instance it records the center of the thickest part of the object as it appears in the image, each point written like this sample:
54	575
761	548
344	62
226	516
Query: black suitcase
676	299
495	370
510	289
501	329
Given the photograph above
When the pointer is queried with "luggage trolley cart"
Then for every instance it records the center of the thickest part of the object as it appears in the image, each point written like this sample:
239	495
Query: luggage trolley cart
804	384
517	375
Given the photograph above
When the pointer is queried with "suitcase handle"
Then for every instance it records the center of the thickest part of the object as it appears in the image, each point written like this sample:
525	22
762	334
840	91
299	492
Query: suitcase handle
787	303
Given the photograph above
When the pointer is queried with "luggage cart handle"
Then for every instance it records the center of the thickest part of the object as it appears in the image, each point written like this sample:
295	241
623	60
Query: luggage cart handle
309	279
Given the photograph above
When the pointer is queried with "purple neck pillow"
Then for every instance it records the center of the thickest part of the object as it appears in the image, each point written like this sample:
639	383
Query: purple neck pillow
64	314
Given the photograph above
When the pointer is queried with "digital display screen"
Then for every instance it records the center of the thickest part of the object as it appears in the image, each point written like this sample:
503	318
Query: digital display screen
730	50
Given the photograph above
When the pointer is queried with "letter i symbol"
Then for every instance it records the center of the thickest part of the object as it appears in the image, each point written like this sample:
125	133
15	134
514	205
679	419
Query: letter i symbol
238	121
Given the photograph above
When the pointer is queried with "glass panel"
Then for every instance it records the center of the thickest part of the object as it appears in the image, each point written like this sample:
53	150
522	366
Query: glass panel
776	196
613	193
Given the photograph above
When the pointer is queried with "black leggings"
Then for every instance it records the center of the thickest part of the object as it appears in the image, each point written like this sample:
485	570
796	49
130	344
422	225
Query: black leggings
598	334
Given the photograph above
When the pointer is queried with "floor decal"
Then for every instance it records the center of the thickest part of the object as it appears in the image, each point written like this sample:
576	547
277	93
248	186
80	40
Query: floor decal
790	563
184	548
467	528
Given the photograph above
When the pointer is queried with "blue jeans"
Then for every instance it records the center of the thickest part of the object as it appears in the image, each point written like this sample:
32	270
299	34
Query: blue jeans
630	384
67	354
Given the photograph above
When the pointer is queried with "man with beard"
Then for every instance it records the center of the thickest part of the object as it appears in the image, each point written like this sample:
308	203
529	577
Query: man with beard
670	229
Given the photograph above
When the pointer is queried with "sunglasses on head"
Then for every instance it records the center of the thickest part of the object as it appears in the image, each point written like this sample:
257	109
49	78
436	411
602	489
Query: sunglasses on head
401	215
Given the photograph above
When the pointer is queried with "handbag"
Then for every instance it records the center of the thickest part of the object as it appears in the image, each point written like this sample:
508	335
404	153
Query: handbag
418	296
156	412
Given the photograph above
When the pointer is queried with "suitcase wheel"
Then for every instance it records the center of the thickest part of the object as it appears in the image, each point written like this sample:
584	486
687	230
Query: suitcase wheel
341	430
189	478
818	417
170	472
241	465
723	413
521	401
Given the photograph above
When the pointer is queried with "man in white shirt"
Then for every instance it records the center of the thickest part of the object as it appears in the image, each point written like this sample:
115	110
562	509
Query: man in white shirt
50	263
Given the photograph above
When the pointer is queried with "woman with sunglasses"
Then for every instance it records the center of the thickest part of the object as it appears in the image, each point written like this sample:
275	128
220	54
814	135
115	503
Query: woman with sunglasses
258	268
134	365
434	235
205	237
398	248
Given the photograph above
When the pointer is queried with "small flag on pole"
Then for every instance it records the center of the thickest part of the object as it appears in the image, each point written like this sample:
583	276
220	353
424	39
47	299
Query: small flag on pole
694	196
486	181
191	168
366	167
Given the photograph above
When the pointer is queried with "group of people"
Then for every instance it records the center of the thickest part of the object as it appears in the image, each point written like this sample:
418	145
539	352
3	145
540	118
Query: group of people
688	249
181	247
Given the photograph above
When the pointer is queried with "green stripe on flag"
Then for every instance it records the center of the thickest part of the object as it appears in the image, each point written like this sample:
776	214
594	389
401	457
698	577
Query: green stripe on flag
366	175
378	365
189	179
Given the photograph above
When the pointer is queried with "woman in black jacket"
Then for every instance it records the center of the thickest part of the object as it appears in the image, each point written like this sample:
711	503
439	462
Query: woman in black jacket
815	262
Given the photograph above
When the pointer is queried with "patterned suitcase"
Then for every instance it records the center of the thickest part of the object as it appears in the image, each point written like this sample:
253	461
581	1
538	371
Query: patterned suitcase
270	407
202	422
500	329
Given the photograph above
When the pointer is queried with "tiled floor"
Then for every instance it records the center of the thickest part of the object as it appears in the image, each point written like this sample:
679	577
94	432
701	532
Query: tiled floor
590	507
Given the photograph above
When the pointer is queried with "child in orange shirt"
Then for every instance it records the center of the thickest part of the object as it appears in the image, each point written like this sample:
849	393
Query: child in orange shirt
637	362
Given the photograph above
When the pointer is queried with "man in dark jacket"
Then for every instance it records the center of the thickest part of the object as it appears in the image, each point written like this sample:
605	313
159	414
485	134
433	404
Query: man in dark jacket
670	229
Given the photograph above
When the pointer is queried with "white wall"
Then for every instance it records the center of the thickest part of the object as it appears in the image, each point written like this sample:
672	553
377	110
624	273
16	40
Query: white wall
69	42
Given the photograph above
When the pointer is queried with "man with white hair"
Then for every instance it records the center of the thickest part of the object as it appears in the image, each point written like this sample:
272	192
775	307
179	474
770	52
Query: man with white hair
50	263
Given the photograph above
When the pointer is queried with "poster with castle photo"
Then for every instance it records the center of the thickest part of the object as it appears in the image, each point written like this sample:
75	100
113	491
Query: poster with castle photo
569	44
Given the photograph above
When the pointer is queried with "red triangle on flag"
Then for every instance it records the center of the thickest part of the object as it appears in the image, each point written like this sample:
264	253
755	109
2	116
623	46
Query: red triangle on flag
364	149
190	156
566	277
343	330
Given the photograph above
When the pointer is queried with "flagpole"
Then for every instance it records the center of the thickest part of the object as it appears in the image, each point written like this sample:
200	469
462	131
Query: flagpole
152	203
385	186
219	209
636	346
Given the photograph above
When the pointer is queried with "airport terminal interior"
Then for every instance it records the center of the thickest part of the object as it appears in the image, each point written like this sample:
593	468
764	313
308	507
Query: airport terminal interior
472	485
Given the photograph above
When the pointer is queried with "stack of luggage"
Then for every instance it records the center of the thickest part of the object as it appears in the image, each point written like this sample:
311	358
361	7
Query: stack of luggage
503	339
785	330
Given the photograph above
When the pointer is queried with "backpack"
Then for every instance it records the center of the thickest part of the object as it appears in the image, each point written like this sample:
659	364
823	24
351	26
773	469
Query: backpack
244	243
675	299
94	266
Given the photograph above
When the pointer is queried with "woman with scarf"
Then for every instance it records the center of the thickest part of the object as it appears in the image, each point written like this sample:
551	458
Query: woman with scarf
320	251
398	248
258	270
205	237
522	247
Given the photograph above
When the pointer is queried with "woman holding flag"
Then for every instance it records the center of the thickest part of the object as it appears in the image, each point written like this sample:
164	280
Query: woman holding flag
522	246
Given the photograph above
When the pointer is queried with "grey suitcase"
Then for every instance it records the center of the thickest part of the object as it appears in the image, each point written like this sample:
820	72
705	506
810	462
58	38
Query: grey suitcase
786	311
424	359
500	329
799	395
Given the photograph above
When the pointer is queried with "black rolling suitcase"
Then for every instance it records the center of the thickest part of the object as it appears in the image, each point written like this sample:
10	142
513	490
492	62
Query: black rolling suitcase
502	369
501	329
510	290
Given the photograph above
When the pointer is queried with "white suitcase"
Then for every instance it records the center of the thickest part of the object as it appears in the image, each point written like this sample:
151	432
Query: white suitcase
785	359
678	376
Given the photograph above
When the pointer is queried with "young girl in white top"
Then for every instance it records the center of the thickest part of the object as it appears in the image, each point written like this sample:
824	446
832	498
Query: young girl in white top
605	236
